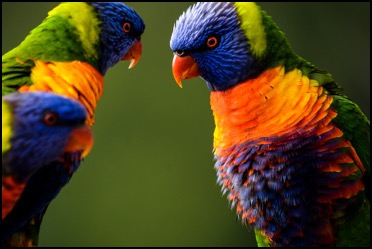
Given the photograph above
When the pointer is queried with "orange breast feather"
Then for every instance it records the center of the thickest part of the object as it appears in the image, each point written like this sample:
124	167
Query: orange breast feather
76	79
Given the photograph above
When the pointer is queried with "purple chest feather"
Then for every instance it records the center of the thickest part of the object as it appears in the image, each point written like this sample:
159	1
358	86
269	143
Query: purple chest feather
281	188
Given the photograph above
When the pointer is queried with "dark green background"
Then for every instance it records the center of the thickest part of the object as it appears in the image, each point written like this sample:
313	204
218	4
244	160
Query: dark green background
149	180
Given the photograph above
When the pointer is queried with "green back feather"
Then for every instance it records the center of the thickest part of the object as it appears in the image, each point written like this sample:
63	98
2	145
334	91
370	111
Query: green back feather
65	35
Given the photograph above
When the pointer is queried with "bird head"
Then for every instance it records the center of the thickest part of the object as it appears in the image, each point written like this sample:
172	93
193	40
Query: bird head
121	29
40	127
225	43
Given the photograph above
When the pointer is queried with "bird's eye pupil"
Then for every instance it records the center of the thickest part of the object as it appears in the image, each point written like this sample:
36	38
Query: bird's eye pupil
50	119
180	53
126	27
212	42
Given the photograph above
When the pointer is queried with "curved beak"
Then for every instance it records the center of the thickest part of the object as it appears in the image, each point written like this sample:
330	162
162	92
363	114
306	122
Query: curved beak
80	139
134	54
184	67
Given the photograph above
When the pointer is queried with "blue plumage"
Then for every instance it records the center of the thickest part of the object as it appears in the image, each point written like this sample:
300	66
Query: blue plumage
35	142
114	42
43	187
230	61
48	136
277	203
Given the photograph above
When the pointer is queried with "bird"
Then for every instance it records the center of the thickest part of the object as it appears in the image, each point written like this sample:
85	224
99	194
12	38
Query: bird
68	53
84	39
37	128
291	149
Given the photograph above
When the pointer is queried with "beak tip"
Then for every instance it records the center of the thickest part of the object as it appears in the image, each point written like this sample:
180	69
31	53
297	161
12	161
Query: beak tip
133	62
179	84
183	68
178	79
134	54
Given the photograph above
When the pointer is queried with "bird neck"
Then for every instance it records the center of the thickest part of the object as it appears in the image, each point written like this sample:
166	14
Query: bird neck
84	24
273	104
65	35
78	80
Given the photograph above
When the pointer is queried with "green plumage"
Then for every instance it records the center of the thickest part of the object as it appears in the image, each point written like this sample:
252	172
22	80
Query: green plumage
55	39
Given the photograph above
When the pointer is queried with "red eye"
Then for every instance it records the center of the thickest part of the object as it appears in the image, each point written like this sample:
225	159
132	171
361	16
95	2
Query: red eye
127	27
212	42
50	119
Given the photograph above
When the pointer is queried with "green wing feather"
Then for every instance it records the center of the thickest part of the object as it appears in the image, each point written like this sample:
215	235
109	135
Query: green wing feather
356	127
350	118
15	73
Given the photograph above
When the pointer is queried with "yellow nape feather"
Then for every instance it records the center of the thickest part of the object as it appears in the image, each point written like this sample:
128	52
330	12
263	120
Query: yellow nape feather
251	23
6	127
85	20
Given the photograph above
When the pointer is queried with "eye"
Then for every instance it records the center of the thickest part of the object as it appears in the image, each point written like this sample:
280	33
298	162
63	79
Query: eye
180	53
127	27
212	42
50	118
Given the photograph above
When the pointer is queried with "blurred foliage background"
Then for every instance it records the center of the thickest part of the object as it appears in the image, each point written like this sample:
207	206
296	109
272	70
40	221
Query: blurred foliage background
149	180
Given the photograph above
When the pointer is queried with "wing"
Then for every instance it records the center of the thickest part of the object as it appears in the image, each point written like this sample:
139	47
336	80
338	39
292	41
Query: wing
350	118
15	72
356	127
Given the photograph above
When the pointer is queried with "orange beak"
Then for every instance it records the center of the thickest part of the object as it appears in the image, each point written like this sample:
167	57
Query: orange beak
134	54
80	139
184	67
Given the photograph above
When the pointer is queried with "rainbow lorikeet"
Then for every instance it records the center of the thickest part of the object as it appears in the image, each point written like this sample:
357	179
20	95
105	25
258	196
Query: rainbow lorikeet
69	54
291	150
37	129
